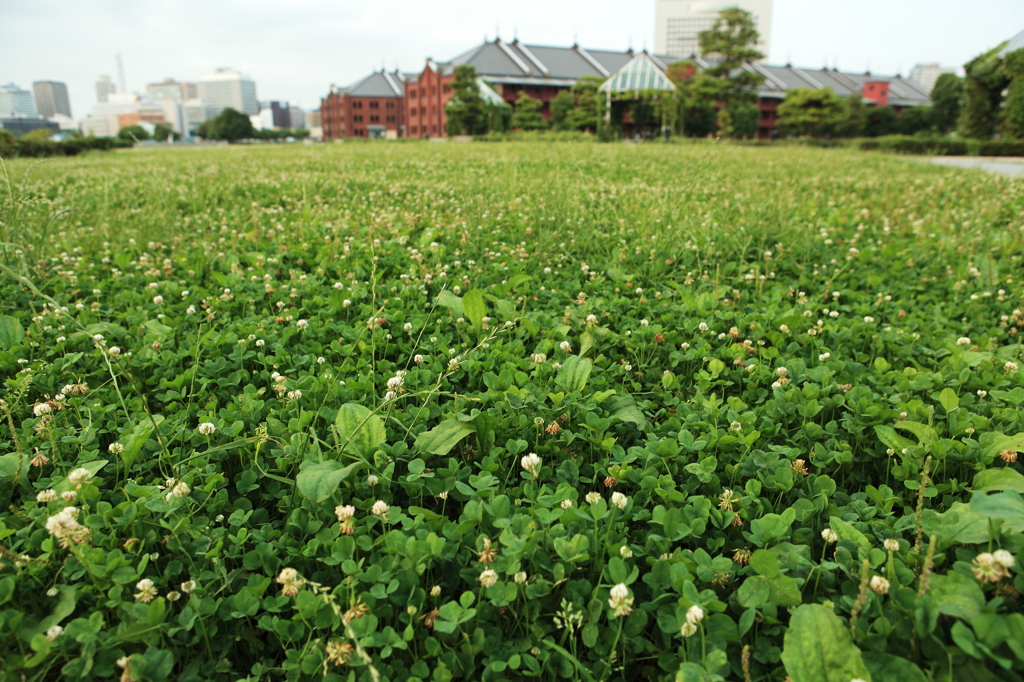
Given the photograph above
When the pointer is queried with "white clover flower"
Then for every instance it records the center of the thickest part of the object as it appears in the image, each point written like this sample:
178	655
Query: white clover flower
294	395
181	489
625	552
389	396
191	310
619	500
1010	367
520	578
703	326
869	319
302	324
619	600
891	544
685	346
115	448
345	512
79	477
694	614
418	359
644	323
206	428
879	584
407	326
531	463
963	341
54	633
68	496
42	408
735	426
783	328
829	536
188	586
158	300
566	504
488	578
435	591
48	495
147	590
1003	558
688	629
346	303
321	360
380	508
173	596
114	350
371	480
593	498
824	356
565	346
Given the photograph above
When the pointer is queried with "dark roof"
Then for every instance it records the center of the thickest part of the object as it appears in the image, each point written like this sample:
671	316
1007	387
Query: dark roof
902	92
516	62
378	84
1013	44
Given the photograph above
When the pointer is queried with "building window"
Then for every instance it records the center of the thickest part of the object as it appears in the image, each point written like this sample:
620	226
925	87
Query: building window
357	119
415	129
374	105
374	118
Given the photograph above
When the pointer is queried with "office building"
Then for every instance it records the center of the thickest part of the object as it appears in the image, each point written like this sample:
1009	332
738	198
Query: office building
677	24
172	90
104	88
16	103
51	99
926	74
228	88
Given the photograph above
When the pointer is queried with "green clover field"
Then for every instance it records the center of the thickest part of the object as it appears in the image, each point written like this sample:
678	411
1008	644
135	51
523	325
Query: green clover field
510	411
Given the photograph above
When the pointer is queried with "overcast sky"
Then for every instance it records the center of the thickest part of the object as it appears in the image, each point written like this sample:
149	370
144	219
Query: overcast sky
295	49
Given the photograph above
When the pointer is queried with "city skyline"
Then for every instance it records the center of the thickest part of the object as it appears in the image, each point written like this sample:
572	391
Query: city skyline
296	55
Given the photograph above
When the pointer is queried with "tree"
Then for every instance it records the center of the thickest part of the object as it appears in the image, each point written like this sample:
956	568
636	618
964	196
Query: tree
228	125
466	112
586	115
1011	125
946	94
133	133
728	45
526	115
914	121
983	93
811	112
38	135
163	131
745	119
856	117
696	95
561	106
881	121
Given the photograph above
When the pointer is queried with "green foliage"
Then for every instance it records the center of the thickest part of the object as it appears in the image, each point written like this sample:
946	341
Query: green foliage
561	106
280	133
465	112
11	146
729	44
526	114
982	96
229	125
413	369
809	112
915	121
1011	124
946	95
589	109
880	121
163	132
133	134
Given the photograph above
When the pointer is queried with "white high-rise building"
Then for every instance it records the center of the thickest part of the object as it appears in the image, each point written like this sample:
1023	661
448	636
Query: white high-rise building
229	88
15	102
677	23
926	74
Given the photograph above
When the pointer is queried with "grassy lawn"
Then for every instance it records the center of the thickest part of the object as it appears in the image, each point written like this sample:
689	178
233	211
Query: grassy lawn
510	411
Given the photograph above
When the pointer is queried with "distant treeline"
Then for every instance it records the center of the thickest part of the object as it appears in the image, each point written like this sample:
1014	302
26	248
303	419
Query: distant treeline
35	147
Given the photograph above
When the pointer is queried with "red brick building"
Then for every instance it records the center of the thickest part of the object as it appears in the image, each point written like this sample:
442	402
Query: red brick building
509	68
372	108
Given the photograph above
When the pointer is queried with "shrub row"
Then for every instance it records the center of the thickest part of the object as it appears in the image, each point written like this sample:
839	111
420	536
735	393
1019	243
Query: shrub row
42	148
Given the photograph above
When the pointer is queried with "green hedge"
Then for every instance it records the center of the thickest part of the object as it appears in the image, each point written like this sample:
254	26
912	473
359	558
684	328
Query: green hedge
942	146
40	148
